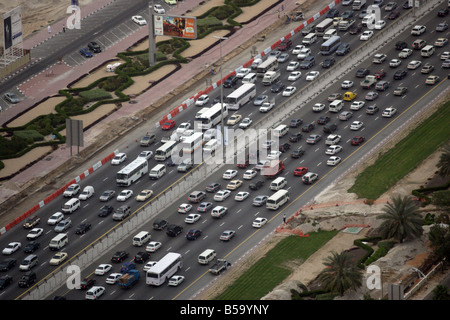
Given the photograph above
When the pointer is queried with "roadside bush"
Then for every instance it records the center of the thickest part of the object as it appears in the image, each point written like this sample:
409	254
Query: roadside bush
95	95
29	135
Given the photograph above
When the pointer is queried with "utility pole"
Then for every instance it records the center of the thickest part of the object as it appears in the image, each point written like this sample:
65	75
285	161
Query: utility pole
151	37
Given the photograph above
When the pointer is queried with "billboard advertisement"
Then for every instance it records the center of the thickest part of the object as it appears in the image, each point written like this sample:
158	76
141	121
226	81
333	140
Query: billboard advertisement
176	26
12	27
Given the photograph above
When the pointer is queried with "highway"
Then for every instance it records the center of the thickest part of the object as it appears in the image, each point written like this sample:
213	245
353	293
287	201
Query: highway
240	215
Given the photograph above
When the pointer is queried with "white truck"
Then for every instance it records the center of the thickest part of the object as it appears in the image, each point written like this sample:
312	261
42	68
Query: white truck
368	82
270	77
344	25
219	266
358	4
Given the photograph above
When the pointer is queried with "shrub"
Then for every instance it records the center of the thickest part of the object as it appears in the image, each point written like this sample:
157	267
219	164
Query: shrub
95	95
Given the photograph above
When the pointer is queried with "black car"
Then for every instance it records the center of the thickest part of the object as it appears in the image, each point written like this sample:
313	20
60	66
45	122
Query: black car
170	163
213	187
343	49
400	74
297	153
294	123
193	234
256	185
308	127
27	279
87	283
400	45
160	224
443	12
32	222
31	247
333	13
308	62
328	62
83	228
105	211
393	15
329	128
277	87
141	257
355	29
119	256
94	47
361	73
7	264
323	120
295	137
230	82
284	147
174	230
5	281
217	99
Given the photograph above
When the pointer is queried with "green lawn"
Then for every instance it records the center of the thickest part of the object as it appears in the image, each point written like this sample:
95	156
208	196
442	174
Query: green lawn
268	272
397	162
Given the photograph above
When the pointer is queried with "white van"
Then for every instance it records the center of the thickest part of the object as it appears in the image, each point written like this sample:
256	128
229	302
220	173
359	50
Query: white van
71	205
329	34
278	183
249	78
309	39
157	171
427	51
87	193
58	242
206	256
210	146
29	262
336	106
141	238
281	130
368	20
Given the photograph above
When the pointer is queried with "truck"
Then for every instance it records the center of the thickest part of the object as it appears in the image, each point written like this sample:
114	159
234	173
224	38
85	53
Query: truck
344	25
219	266
273	168
127	266
270	77
358	4
129	279
368	81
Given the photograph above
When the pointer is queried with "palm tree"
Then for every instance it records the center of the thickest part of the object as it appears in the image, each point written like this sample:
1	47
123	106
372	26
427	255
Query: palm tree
444	161
341	273
401	219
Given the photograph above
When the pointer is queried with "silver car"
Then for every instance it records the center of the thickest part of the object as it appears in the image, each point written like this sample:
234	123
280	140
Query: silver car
260	200
63	225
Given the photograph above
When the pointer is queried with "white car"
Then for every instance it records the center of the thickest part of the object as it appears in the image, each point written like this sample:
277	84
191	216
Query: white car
318	107
192	218
297	49
241	195
184	208
243	72
113	277
55	218
292	66
294	75
119	158
72	190
250	174
34	233
303	53
234	119
124	195
332	150
395	63
229	174
259	222
356	105
222	195
11	248
159	9
312	75
58	258
380	24
202	100
274	155
356	125
445	55
139	20
366	35
414	64
153	246
389	112
290	90
379	58
405	53
245	123
418	30
147	155
148	265
347	84
103	269
266	107
175	280
183	127
333	160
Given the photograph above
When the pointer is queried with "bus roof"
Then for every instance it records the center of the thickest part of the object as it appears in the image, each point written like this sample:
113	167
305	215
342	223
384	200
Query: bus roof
242	89
132	165
164	262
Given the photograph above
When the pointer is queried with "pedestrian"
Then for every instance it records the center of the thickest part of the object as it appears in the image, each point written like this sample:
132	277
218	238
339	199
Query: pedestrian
49	28
284	218
278	14
64	28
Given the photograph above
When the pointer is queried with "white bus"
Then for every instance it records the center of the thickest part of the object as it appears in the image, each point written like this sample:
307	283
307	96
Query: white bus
240	96
330	46
269	65
164	152
323	27
277	199
129	174
164	269
193	142
213	116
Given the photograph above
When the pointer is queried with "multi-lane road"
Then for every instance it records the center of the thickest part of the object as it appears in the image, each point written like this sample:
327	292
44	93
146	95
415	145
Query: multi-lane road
241	214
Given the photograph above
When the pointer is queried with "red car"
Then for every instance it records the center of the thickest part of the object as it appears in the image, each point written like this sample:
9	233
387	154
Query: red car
299	171
356	141
169	124
380	74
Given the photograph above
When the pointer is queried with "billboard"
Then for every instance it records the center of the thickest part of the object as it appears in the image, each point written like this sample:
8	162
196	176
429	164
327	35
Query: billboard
175	26
12	27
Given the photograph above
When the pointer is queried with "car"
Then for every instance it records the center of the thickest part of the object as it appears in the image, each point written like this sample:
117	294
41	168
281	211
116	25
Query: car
148	265
347	84
297	49
202	100
256	185
274	155
229	174
222	195
432	79
277	87
356	105
440	42
58	258
334	149
169	124
147	140
345	115
318	107
297	153
329	128
380	74
35	233
390	6
153	246
294	75
290	90
382	85
407	5
310	178
366	35
418	30
124	195
72	190
94	47
119	256
87	283
184	208
405	53
193	234
213	187
400	45
119	158
259	100
312	75
347	2
241	196
446	64
394	63
361	73
227	235
380	24
379	58
204	206
372	109
356	125
31	247
371	95
139	20
192	218
342	50
183	127
308	62
427	68
356	141
176	280
230	82
445	55
144	195
85	52
419	44
308	127
7	264
27	279
443	12
300	171
31	222
245	123
389	112
259	222
5	281
400	74
105	211
103	269
250	174
283	57
356	28
335	96
113	277
11	97
295	136
313	138
333	160
260	200
328	62
295	123
63	225
400	91
83	228
303	53
234	119
333	13
442	26
266	107
234	184
323	120
293	65
393	15
243	72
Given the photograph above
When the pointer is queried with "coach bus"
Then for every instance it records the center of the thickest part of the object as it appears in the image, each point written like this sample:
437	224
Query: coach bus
213	116
132	172
323	27
164	152
164	269
269	65
240	96
330	46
